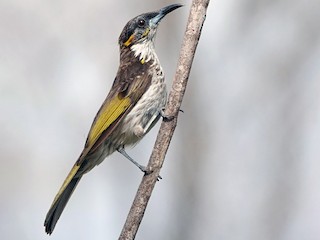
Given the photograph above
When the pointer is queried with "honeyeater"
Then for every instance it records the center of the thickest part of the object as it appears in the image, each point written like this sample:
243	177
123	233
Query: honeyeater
130	110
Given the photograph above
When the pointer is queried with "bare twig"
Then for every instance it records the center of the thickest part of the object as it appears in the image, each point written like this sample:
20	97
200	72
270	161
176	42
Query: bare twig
189	45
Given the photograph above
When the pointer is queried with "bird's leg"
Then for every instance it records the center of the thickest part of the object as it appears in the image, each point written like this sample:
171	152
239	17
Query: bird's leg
126	155
142	168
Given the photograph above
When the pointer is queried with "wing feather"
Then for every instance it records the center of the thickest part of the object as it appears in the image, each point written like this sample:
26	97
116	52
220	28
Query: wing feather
108	115
129	86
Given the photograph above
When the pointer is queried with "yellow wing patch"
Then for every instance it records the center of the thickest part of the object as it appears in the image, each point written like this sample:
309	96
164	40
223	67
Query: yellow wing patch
107	115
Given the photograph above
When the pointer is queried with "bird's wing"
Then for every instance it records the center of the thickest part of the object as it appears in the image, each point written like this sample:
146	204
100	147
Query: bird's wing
128	87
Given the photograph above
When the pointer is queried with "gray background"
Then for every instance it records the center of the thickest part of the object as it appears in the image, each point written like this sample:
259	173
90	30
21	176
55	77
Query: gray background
244	160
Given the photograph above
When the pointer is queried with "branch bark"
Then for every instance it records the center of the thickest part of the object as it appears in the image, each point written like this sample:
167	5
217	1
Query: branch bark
191	38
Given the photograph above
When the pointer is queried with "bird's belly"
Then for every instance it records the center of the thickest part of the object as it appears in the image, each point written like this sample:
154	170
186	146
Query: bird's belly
144	114
137	123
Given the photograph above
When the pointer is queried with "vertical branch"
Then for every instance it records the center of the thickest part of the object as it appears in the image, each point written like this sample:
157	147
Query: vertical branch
189	45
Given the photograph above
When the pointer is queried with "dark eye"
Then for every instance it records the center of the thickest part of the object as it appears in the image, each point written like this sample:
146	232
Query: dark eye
141	22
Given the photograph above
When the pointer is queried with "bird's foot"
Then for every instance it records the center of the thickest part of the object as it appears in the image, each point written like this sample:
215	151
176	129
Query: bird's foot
167	117
141	167
147	172
164	116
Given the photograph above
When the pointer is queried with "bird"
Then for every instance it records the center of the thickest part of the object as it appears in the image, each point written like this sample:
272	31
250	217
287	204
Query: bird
132	107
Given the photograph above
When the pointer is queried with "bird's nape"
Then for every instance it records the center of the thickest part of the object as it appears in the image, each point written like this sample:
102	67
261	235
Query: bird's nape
130	110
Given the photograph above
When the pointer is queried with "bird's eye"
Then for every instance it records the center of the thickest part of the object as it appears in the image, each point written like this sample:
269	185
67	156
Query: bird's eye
141	22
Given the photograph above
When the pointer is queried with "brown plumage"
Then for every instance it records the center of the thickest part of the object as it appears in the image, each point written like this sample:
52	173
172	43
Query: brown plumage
130	110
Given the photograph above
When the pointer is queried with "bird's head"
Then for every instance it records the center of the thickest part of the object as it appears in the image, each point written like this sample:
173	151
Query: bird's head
144	26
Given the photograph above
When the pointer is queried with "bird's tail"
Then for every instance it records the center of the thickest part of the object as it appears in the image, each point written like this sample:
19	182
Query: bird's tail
62	199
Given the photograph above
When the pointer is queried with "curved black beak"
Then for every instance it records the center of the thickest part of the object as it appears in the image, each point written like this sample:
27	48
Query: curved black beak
163	12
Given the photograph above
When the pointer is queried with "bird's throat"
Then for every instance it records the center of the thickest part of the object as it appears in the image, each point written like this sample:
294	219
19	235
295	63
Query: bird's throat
144	51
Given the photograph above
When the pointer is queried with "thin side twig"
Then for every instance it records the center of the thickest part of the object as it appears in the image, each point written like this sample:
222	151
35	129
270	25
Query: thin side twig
191	38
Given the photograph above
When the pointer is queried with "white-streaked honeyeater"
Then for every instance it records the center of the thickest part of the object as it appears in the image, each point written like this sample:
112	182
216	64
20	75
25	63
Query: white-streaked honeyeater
131	109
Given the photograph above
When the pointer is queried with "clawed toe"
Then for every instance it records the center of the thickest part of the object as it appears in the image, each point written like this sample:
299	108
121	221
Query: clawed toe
147	172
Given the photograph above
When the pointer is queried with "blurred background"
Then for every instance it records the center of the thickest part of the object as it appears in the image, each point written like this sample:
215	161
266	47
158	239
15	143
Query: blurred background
244	161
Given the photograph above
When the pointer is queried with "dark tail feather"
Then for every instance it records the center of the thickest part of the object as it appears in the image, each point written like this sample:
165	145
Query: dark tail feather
59	204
